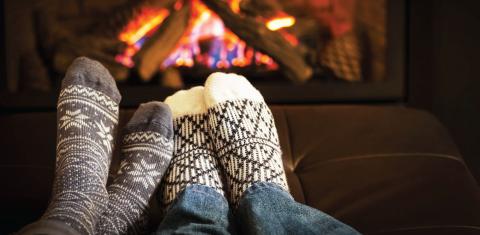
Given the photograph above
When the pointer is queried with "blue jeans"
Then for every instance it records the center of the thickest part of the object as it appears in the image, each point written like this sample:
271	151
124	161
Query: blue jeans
264	209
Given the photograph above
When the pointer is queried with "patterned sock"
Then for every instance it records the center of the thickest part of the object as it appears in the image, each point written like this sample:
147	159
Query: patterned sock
87	116
193	159
147	150
244	134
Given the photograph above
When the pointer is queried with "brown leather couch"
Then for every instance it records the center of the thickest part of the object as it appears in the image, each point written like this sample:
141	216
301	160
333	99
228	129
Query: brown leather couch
383	170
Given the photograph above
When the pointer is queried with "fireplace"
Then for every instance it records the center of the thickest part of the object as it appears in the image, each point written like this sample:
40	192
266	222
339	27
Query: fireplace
310	51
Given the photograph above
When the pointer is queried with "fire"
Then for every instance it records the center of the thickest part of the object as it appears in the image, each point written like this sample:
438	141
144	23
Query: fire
280	22
235	5
206	42
136	31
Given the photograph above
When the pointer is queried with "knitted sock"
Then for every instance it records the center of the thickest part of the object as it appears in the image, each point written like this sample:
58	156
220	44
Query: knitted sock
193	159
87	116
147	150
244	134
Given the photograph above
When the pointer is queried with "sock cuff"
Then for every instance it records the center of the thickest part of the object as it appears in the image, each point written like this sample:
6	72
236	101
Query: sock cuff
187	102
222	87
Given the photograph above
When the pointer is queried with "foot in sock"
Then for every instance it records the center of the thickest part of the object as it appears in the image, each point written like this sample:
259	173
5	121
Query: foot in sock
87	116
193	160
243	131
147	148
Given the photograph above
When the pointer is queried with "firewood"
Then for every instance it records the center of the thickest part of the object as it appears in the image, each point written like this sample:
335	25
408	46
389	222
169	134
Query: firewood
172	79
263	8
159	46
61	42
264	40
66	51
113	22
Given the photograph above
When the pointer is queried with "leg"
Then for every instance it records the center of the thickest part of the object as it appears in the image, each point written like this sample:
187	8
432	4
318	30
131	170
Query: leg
247	145
87	116
265	209
193	189
198	209
147	150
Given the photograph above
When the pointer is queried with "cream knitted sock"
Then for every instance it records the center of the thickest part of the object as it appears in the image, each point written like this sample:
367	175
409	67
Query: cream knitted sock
243	131
193	160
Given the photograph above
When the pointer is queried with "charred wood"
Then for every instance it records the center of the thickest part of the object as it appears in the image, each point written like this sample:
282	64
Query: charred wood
264	40
162	43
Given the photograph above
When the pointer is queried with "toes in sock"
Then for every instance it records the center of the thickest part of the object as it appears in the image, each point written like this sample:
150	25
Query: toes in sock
244	134
87	116
193	161
147	150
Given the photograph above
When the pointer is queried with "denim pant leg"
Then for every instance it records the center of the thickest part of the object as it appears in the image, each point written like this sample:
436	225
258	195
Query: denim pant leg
267	209
197	210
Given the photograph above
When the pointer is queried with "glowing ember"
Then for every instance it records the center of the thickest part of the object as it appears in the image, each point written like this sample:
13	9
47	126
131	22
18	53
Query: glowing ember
207	41
235	5
278	23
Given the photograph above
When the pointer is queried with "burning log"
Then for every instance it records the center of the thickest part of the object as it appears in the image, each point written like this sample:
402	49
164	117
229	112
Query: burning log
92	46
172	78
162	43
118	17
264	40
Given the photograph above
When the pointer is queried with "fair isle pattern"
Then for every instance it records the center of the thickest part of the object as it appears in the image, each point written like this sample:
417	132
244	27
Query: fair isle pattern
147	155
84	145
247	145
89	97
193	160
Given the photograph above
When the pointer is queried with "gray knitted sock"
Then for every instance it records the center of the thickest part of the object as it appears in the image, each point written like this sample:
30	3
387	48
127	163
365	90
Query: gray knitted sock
87	116
147	149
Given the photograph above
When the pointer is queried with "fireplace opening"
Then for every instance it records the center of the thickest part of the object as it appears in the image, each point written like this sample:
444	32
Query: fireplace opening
293	51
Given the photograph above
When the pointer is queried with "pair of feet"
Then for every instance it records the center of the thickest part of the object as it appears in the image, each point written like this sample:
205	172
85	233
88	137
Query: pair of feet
222	136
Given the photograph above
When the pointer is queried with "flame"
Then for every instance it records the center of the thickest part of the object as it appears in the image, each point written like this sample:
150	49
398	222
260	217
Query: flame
148	20
206	42
281	22
235	5
135	32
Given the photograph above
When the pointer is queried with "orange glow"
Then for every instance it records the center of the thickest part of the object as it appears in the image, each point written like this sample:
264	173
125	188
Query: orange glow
206	42
144	24
235	5
178	5
290	38
282	22
225	48
138	28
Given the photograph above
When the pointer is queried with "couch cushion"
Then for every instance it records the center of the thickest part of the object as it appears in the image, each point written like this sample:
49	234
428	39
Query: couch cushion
383	170
378	169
